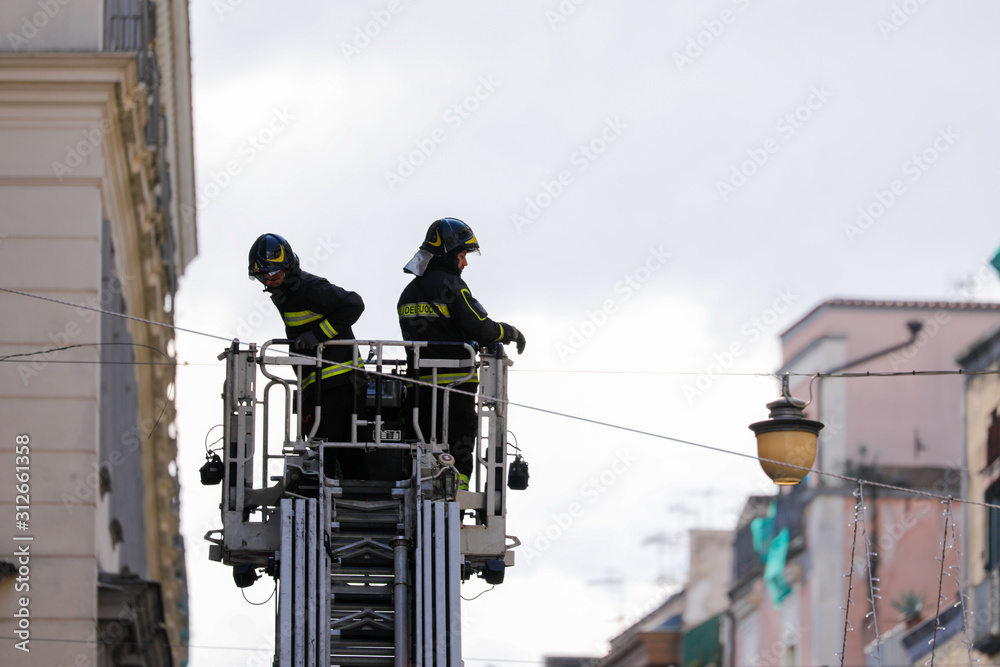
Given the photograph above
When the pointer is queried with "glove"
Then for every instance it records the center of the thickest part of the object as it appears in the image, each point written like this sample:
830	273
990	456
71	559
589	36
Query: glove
513	336
305	342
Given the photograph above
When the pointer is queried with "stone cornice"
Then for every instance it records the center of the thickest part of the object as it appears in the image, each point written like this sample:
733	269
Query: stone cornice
64	67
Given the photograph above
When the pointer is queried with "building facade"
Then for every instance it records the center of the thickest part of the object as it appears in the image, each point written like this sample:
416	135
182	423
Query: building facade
791	592
97	203
802	561
687	628
981	563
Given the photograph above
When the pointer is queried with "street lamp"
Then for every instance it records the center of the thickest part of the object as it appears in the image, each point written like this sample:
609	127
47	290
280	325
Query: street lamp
788	438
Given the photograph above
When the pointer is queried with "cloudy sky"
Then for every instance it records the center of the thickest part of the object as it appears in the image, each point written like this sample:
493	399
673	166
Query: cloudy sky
659	189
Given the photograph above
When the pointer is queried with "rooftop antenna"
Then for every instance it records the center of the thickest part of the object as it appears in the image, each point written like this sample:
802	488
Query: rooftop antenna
616	582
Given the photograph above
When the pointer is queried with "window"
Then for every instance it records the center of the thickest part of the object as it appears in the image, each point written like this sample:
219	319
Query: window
993	527
993	439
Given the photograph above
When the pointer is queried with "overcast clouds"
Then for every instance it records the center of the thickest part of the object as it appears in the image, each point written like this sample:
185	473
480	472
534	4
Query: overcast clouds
659	188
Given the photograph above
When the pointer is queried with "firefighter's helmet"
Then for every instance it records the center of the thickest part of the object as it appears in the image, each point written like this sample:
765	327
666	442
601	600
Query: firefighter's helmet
269	253
447	235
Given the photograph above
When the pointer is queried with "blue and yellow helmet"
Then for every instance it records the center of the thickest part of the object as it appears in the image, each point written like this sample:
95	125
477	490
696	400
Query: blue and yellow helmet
447	235
269	253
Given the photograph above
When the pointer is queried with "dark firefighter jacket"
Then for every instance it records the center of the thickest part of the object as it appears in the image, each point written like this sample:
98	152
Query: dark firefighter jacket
311	303
438	306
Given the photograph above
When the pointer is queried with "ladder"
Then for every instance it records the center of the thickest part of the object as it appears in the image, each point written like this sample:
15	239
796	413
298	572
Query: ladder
369	571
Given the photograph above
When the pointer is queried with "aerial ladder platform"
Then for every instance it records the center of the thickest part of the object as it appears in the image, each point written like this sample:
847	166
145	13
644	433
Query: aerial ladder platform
368	571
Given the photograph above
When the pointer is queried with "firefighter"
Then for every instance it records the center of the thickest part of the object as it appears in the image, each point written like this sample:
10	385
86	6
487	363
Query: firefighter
437	305
315	310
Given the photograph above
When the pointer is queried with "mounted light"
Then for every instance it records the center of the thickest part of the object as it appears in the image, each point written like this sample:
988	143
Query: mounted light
244	574
517	474
213	471
492	571
786	437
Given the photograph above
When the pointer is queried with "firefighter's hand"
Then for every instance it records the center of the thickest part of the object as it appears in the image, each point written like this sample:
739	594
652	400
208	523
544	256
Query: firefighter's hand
519	341
305	342
513	335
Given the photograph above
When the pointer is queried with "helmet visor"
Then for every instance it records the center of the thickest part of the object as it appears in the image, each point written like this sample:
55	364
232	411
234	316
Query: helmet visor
262	276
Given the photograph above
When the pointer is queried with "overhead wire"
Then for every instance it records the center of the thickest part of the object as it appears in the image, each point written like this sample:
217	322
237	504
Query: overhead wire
597	422
169	362
111	312
152	644
776	376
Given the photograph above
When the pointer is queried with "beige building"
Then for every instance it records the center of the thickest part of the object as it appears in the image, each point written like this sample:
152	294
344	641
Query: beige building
982	545
96	202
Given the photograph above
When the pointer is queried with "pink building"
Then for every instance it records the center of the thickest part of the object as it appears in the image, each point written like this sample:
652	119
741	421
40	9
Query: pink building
790	588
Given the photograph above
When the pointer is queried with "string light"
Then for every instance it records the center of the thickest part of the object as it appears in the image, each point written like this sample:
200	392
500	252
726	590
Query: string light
941	574
872	588
858	509
967	640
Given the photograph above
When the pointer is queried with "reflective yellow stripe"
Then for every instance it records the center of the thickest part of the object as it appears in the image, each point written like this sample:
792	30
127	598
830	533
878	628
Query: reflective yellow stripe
500	337
332	371
448	378
423	310
300	317
465	295
326	328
